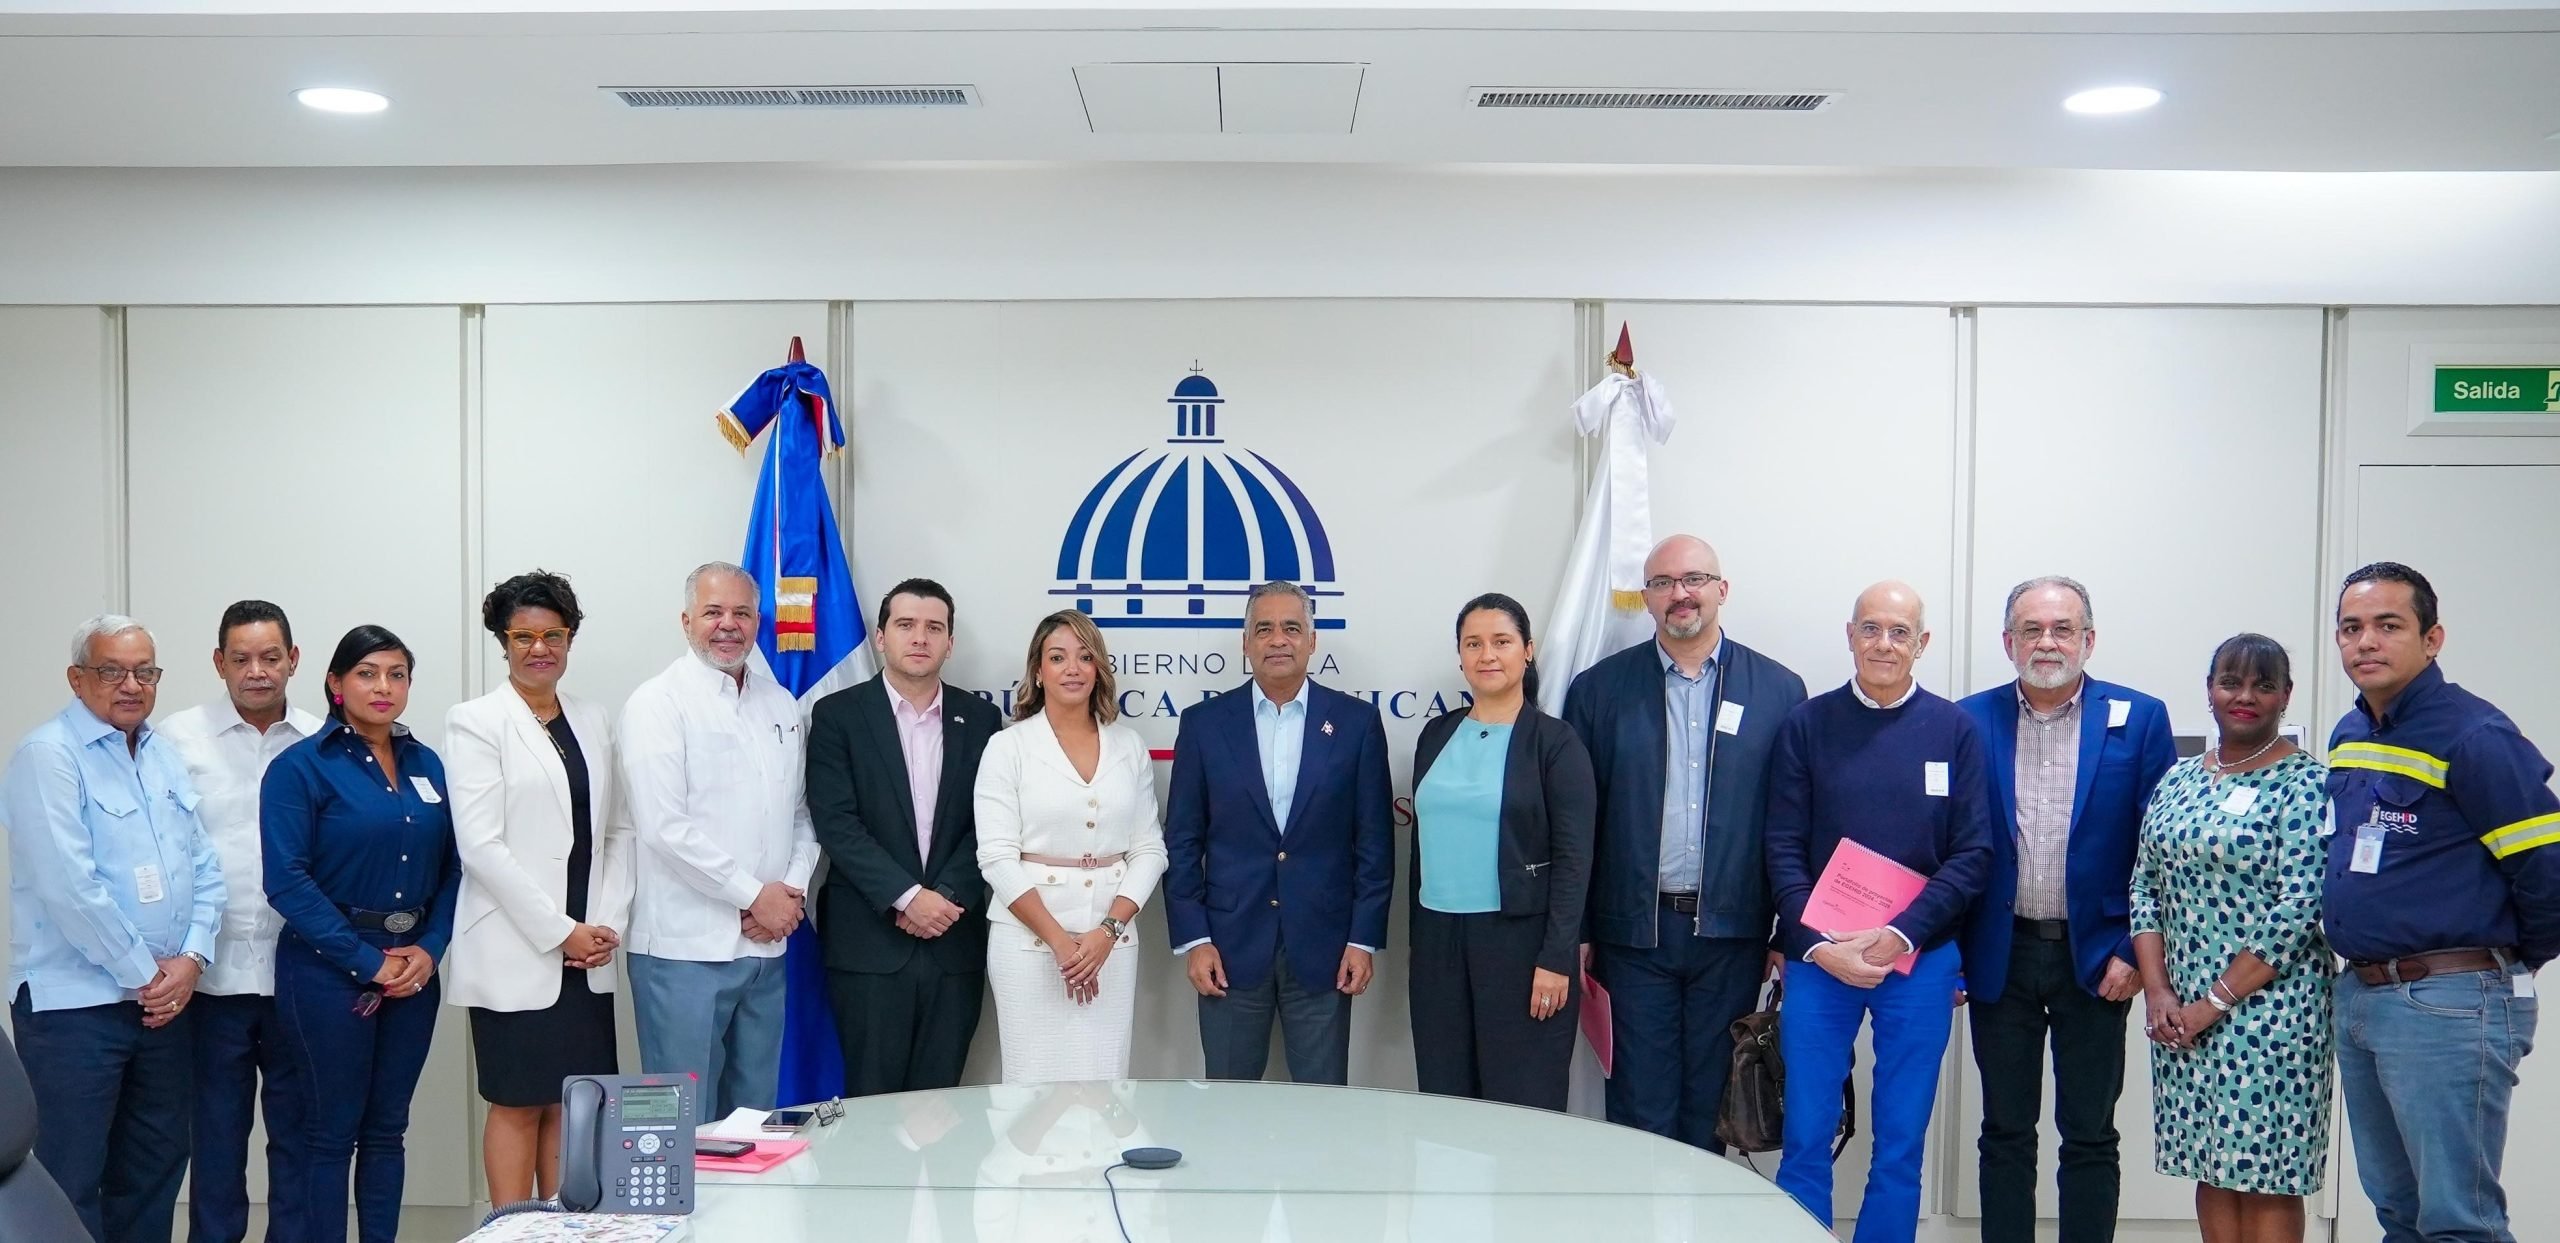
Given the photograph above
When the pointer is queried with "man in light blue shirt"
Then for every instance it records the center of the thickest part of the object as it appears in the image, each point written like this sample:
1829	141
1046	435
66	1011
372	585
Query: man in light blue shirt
115	894
1280	851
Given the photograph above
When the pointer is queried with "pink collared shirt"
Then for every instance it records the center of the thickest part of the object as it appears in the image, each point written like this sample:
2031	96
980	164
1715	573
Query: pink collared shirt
920	741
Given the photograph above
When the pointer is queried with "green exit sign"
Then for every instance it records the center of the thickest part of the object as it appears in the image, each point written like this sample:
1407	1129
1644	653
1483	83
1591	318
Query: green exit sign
2498	390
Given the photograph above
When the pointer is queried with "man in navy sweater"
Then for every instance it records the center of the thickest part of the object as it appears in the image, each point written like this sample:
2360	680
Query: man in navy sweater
1902	772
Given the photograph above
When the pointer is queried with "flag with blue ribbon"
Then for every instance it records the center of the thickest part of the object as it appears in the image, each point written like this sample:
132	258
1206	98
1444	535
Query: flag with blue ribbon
812	625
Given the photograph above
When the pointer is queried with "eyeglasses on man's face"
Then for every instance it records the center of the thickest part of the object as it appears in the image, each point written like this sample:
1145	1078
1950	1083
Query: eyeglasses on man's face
1870	633
1660	583
111	675
2063	633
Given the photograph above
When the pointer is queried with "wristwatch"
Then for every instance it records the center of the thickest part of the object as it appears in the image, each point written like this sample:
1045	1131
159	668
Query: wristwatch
202	963
1114	927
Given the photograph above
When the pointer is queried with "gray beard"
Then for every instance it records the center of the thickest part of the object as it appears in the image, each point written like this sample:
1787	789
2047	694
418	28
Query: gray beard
1696	627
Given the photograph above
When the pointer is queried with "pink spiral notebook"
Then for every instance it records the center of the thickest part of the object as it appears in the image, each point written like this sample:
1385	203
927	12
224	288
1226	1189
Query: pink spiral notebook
768	1154
1861	889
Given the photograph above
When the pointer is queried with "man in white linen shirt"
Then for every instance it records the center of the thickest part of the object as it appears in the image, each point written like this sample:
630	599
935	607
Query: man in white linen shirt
711	755
227	745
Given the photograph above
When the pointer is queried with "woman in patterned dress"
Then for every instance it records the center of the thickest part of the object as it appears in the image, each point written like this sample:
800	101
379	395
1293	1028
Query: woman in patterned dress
2235	973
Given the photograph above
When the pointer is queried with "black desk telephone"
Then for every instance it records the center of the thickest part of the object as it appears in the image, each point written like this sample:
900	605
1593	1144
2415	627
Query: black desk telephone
626	1144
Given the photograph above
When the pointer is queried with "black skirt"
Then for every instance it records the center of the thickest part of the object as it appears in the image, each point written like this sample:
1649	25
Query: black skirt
523	1055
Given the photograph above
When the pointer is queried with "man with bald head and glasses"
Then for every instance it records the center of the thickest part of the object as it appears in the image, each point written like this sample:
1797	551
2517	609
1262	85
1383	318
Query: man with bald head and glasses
1902	772
1680	729
115	896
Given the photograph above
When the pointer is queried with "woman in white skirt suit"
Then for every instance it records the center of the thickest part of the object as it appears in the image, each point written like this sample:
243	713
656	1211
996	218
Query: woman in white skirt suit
1071	846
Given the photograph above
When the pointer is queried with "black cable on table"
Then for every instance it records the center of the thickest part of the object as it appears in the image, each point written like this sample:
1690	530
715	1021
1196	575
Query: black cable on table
1115	1200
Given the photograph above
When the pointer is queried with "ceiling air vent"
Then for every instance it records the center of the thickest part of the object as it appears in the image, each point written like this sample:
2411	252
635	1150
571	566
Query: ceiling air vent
1656	101
797	96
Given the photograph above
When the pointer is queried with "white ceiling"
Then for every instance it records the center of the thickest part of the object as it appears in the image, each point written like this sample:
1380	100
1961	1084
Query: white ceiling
2285	85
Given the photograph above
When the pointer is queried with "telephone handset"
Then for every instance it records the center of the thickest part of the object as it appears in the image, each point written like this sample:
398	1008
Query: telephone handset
626	1144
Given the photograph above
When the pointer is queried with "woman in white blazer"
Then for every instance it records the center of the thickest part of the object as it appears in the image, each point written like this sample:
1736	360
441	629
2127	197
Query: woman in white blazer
1071	846
546	883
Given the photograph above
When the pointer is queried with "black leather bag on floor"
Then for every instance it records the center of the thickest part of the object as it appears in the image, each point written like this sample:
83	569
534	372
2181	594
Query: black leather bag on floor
1753	1117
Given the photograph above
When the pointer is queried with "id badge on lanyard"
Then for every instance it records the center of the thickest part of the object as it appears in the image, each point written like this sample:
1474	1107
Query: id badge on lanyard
2368	852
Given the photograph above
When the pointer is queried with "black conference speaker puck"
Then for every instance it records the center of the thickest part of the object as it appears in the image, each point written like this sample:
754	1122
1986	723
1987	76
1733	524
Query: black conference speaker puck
1152	1158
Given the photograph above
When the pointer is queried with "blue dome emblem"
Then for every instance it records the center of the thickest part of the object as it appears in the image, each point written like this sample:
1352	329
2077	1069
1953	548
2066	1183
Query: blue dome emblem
1176	536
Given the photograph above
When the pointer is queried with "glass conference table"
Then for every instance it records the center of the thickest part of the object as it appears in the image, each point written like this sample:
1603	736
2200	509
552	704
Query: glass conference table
1261	1162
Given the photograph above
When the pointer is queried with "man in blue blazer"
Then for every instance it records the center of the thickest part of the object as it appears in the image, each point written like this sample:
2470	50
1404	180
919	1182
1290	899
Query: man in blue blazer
2073	762
1280	853
1680	729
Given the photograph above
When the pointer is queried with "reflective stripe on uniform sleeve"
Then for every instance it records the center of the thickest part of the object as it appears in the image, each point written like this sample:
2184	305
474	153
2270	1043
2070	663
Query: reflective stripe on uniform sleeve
2415	765
2523	835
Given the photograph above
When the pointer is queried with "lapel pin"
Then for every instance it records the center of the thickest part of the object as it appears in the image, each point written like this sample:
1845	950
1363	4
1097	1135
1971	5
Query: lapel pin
1328	729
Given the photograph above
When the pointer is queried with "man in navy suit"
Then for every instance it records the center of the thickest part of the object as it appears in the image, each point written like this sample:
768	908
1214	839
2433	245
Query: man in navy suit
1281	853
1680	730
2073	762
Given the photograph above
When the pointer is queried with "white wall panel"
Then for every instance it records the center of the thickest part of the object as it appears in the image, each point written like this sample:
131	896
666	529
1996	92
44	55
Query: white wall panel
1431	437
1816	451
600	461
57	502
2169	460
312	458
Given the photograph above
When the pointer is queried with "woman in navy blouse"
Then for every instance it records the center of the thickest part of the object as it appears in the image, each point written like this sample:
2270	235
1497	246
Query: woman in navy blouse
360	862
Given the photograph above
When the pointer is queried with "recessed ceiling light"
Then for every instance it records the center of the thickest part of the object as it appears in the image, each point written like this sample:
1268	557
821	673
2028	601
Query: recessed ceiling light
341	99
2107	100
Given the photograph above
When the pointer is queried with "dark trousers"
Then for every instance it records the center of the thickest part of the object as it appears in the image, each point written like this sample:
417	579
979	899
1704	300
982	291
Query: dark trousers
354	1075
2088	1074
905	1030
1472	1034
239	1065
107	1125
1315	1028
1671	1012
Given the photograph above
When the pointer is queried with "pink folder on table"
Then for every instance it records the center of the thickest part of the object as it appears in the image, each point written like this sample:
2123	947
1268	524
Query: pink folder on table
1861	889
768	1154
1595	1024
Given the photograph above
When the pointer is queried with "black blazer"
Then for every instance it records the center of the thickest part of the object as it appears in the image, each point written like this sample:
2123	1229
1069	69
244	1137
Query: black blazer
865	818
1549	804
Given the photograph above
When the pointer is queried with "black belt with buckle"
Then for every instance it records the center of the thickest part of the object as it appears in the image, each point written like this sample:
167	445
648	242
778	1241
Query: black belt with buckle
393	922
1685	903
2045	929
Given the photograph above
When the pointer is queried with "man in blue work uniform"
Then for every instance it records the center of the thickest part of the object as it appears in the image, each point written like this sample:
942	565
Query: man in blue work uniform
2444	898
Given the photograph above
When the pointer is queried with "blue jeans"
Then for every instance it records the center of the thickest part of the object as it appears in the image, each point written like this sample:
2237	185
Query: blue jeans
352	1076
2428	1069
1818	1034
106	1125
239	1065
720	1022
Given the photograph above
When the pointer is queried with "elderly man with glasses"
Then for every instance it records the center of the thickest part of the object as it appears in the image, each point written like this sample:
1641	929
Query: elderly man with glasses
115	897
1878	767
1680	728
2073	762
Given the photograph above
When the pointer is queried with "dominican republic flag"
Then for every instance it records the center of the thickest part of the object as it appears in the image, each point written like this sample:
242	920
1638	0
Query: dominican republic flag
812	629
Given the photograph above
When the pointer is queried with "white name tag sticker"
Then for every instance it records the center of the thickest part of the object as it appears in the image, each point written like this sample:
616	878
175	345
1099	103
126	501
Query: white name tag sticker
426	789
2119	711
2240	800
1933	778
1729	718
147	885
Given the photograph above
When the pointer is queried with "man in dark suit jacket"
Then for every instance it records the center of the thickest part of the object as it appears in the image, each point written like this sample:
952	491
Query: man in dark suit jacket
1281	853
2073	762
1680	730
893	764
